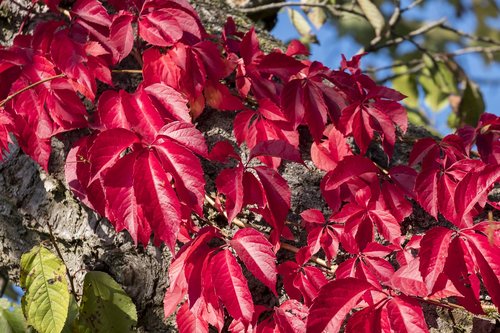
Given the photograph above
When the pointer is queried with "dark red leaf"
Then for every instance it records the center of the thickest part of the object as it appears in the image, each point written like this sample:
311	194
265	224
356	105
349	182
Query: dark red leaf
276	148
280	64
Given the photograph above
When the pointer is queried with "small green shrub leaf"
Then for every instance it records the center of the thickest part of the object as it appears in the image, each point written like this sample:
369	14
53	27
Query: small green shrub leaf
46	301
105	306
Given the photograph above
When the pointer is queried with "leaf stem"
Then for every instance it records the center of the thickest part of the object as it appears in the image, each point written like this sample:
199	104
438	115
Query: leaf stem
8	98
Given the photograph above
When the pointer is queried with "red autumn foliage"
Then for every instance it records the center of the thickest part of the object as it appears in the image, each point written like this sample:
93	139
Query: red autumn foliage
139	165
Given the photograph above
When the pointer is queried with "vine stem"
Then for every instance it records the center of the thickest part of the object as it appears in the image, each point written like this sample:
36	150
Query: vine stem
285	246
70	277
8	98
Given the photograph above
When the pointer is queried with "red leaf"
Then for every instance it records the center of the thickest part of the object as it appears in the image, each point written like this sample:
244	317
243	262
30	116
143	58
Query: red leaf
107	148
91	11
291	316
185	168
280	64
219	97
157	198
335	300
405	315
473	190
5	123
408	279
461	271
487	257
267	123
257	254
426	187
296	48
230	183
187	322
71	58
222	151
122	200
327	154
278	197
160	27
302	100
276	148
121	36
433	254
231	286
185	134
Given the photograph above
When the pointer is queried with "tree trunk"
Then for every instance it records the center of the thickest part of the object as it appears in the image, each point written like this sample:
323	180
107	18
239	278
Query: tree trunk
38	207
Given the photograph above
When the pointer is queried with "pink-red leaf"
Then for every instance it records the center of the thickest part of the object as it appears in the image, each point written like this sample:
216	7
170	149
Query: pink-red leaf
231	286
230	183
335	300
157	198
433	254
257	254
187	322
405	315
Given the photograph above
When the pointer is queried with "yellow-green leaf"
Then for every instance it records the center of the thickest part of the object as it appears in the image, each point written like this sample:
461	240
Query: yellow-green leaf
105	306
435	99
373	15
11	318
46	299
442	75
299	22
407	85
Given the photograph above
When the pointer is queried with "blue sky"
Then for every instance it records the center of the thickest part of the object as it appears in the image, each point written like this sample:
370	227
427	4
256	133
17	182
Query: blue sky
332	46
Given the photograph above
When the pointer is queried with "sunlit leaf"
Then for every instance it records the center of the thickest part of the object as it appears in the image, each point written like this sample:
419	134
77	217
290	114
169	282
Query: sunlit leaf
46	301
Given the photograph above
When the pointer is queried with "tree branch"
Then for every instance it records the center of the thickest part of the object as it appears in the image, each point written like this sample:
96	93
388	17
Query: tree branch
332	8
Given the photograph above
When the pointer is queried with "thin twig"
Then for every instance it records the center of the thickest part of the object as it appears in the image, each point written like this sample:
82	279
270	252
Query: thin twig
279	5
8	98
474	49
128	71
398	40
70	277
476	38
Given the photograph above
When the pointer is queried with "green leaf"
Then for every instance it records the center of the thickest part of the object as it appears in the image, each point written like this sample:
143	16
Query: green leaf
299	22
443	76
373	15
72	315
105	306
435	99
46	301
407	85
470	108
11	318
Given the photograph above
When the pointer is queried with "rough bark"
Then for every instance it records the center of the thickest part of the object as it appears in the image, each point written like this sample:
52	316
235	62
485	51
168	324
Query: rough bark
34	204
